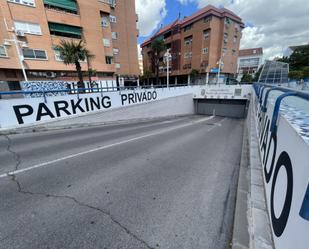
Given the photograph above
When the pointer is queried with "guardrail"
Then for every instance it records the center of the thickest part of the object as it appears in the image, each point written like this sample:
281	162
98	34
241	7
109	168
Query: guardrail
285	161
287	92
77	91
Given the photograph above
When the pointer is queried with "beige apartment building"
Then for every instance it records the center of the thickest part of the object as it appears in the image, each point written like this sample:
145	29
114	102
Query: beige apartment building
207	41
33	28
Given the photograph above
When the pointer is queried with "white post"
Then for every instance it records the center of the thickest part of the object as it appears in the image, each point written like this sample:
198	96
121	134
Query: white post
207	78
176	80
189	79
167	57
219	69
19	57
138	85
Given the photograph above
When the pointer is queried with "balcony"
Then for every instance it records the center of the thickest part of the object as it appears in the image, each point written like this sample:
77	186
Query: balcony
57	16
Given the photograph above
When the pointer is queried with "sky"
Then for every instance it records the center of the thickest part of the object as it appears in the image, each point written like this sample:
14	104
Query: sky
272	24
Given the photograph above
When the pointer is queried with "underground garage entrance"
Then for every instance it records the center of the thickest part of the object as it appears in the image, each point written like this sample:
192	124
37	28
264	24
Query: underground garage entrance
233	108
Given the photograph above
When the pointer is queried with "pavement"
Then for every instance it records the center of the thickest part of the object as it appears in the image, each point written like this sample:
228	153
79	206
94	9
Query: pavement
167	183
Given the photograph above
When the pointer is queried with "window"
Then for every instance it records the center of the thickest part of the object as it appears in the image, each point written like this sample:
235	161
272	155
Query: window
206	34
188	40
227	21
205	50
14	85
3	52
117	65
104	21
225	37
224	50
58	56
109	59
34	54
65	30
188	55
29	28
235	38
24	2
207	19
188	27
115	51
110	2
62	5
106	42
114	35
112	19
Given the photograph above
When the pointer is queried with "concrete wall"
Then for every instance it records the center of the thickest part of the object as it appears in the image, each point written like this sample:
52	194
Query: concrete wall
285	164
175	106
24	112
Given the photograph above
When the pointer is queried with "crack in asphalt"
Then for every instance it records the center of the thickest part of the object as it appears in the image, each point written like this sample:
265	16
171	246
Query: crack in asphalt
102	211
15	154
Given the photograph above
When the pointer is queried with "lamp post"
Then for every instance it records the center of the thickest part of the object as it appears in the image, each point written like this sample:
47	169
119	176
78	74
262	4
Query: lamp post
20	58
167	56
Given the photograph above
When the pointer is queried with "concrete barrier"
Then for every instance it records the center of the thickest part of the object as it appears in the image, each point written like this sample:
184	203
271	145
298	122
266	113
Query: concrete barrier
285	160
24	112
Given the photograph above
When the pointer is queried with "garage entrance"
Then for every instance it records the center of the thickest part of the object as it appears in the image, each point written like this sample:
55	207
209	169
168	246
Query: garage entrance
233	108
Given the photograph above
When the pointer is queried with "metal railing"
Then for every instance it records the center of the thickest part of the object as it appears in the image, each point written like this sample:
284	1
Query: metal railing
287	92
77	91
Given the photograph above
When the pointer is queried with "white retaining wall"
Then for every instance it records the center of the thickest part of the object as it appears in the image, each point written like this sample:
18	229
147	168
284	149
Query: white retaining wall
285	160
24	112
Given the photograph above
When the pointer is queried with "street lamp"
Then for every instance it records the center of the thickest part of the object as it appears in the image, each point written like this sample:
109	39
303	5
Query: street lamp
20	58
167	56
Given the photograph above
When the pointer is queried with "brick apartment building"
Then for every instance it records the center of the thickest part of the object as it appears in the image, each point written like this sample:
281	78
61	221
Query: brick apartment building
108	28
199	42
249	61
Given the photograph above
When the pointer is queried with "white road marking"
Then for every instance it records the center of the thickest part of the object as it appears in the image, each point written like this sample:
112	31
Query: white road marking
16	172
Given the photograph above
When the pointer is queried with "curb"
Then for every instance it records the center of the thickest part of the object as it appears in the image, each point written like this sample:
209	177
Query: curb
251	221
45	128
241	238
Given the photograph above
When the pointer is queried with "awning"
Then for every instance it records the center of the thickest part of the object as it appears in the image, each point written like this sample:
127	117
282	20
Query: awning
63	4
57	27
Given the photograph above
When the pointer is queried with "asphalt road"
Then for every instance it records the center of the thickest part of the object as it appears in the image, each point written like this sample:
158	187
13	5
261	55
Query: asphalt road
167	184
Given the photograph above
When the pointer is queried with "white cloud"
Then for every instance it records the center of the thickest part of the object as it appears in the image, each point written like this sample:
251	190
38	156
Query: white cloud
150	14
277	23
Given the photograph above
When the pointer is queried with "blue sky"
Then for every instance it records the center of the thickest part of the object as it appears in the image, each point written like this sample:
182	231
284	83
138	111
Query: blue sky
173	8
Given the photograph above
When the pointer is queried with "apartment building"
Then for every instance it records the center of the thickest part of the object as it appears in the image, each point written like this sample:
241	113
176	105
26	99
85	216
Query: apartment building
30	30
249	61
207	42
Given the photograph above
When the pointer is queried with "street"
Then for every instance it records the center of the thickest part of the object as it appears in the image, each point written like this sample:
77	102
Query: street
167	184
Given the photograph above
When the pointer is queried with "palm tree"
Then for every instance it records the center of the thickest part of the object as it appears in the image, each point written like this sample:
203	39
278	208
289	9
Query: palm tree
73	52
89	57
157	47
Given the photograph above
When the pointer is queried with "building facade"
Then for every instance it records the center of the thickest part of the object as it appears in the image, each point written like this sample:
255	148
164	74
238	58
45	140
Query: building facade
31	29
249	61
206	42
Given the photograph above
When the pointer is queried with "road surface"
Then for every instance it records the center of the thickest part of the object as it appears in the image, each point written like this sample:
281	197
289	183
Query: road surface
167	184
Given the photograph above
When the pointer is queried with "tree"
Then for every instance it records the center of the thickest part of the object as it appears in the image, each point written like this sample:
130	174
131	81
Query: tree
73	52
297	75
89	58
157	47
147	75
257	74
194	74
246	78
